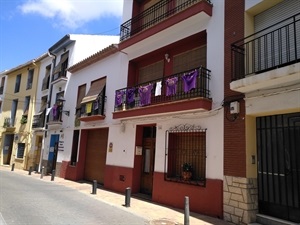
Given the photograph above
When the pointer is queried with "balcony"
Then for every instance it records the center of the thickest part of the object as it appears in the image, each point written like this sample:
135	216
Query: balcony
1	90
38	120
163	23
55	117
268	58
94	111
59	78
188	90
9	124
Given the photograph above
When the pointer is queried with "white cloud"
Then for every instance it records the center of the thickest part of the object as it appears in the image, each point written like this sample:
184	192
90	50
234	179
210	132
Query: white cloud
73	13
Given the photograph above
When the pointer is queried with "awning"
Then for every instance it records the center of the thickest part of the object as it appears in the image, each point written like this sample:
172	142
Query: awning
95	89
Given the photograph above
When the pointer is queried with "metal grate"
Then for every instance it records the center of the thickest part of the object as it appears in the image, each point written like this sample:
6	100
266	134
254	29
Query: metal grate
278	141
185	147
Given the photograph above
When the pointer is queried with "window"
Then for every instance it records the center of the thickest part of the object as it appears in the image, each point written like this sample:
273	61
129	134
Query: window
93	101
74	147
2	85
80	95
30	79
13	111
25	110
190	59
21	149
46	79
61	69
186	149
18	83
151	72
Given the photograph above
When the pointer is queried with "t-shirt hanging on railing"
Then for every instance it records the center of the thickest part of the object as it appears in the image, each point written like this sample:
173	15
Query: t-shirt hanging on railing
189	80
145	94
171	86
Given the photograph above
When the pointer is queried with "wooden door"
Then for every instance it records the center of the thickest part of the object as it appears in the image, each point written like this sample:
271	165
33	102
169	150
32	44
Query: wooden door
147	166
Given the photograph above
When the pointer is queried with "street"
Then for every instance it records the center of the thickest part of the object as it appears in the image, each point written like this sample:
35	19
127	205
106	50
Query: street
32	201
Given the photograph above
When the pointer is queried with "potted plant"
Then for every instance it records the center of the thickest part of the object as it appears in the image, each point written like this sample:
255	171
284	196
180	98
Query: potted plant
186	171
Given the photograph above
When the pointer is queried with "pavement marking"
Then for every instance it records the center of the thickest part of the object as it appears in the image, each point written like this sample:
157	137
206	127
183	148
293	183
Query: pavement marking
2	221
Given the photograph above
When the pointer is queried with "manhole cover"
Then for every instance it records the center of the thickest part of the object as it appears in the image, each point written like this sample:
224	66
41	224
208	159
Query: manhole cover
163	222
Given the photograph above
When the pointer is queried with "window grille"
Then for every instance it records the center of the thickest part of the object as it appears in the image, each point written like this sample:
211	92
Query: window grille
185	144
21	149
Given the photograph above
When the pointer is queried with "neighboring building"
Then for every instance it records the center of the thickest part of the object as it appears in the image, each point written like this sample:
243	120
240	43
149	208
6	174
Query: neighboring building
16	116
68	51
170	110
262	111
3	78
91	92
40	109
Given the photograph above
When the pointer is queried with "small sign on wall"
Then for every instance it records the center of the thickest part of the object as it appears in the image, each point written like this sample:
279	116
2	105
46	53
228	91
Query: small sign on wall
138	150
110	147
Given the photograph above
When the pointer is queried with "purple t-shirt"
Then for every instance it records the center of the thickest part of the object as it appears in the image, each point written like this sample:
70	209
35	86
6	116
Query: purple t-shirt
171	86
119	97
145	94
189	80
130	95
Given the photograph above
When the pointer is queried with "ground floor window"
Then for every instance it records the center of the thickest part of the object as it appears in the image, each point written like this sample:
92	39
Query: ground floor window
21	149
185	158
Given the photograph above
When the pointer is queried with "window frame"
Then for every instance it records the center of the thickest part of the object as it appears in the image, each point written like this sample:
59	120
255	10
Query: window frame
189	147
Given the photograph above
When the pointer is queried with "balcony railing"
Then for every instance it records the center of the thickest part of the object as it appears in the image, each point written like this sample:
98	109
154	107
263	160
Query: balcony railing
185	85
273	47
1	90
9	122
154	15
38	121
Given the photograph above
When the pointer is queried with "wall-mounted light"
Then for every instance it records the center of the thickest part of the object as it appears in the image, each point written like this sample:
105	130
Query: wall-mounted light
167	57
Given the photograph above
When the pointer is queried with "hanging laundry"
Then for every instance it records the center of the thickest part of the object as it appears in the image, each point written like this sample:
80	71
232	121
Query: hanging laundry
171	86
119	97
96	105
145	94
54	112
158	88
189	80
130	95
89	107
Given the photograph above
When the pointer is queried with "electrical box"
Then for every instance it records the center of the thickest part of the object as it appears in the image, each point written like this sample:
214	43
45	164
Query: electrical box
234	107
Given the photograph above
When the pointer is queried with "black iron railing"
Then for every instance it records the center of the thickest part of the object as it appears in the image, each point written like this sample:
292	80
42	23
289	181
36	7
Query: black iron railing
172	88
94	108
272	47
39	120
154	15
8	122
1	90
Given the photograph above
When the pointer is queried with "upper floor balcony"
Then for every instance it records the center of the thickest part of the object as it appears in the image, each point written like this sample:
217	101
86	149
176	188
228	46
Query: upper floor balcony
39	120
268	58
165	18
9	123
183	91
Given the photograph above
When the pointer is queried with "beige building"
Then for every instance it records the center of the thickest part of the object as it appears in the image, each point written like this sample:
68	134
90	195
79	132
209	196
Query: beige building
16	116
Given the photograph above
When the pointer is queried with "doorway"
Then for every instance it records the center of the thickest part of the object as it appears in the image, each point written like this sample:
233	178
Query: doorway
52	157
279	165
7	148
148	159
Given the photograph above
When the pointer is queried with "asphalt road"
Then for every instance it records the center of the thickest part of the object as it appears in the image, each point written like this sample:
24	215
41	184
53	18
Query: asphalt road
26	201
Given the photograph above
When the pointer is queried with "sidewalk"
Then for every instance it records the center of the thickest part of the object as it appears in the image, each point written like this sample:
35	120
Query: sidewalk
157	214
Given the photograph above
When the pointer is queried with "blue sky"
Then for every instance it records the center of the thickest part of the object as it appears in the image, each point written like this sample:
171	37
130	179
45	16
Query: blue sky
29	27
